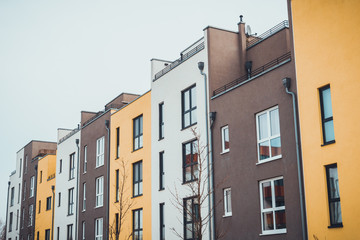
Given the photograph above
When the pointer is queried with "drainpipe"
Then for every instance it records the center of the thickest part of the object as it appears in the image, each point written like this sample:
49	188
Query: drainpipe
53	207
35	199
107	125
7	210
77	141
209	159
286	82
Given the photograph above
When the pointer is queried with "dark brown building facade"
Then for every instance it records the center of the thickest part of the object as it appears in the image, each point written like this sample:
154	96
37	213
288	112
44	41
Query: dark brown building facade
32	152
254	150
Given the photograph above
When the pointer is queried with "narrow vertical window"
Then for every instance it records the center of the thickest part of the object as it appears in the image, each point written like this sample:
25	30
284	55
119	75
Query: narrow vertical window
71	201
84	197
225	143
32	186
59	199
31	215
138	133
326	115
161	171
137	179
272	204
117	230
99	191
191	218
188	100
69	232
39	206
10	222
47	234
48	203
37	235
24	191
190	161
227	202
20	167
12	196
85	159
117	142
137	224
162	222
99	229
17	219
117	185
72	166
26	163
83	230
58	233
60	166
333	196
40	176
19	190
23	218
100	145
161	120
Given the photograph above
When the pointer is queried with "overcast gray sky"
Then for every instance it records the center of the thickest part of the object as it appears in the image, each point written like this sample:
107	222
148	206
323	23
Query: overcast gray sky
60	57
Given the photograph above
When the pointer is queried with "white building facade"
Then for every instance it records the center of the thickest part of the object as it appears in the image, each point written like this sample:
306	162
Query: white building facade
14	199
66	198
178	103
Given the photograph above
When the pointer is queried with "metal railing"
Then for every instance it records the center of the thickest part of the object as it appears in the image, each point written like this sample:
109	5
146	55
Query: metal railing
268	33
267	66
75	130
182	58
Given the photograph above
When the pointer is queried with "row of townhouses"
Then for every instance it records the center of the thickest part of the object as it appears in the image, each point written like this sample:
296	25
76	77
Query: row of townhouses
242	137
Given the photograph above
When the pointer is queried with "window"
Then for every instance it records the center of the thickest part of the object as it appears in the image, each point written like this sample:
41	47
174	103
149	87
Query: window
31	215
39	206
99	191
71	202
69	233
326	115
225	144
161	120
268	135
19	189
17	219
60	166
72	167
24	191
188	100
272	203
47	234
117	185
190	161
162	222
100	151
117	142
26	163
99	229
59	199
138	132
83	230
20	167
48	203
191	216
161	171
85	159
333	196
117	226
10	221
12	196
32	186
84	197
58	233
227	202
137	225
37	235
40	176
137	179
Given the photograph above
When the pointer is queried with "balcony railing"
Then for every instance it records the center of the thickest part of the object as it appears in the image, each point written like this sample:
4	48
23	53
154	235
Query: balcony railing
268	33
253	74
69	135
185	55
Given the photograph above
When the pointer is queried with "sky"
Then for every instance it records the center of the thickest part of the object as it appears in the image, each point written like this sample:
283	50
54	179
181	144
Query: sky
58	58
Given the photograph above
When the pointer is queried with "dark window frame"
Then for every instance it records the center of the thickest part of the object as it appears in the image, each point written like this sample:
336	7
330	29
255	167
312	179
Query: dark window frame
323	119
71	201
161	171
48	203
191	110
161	121
137	166
137	136
137	229
117	185
192	163
162	222
194	216
71	166
69	232
47	234
330	199
117	142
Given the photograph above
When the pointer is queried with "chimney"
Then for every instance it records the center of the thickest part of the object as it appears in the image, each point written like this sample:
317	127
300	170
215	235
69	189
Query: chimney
242	41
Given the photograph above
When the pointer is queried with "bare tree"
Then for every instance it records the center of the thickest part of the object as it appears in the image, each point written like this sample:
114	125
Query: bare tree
2	230
123	206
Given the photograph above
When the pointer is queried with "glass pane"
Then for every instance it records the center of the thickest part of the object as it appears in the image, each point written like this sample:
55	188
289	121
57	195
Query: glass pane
280	219
188	211
263	127
267	195
268	223
136	189
141	221
274	122
140	141
329	131
141	171
196	171
228	201
140	188
187	119
264	150
136	220
141	124
136	143
187	173
136	172
186	101
279	193
327	103
193	116
334	183
275	147
136	235
335	214
193	97
189	231
136	127
140	235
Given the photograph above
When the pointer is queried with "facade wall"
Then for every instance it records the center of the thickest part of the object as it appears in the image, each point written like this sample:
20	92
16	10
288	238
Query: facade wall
326	47
124	120
168	89
64	182
45	181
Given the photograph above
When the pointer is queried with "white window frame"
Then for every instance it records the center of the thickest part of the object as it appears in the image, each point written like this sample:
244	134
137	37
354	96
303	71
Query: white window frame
72	166
223	149
84	197
71	201
99	185
32	186
227	212
273	209
83	230
269	138
31	215
85	159
99	229
100	146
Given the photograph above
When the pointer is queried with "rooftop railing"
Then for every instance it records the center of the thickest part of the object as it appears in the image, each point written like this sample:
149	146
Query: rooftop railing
184	55
75	130
268	33
253	74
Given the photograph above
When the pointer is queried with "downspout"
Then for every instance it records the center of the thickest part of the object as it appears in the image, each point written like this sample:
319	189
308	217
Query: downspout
77	141
107	125
7	210
53	208
286	82
209	158
35	199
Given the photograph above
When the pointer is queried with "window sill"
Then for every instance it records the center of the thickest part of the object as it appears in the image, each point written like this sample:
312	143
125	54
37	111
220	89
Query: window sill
161	189
160	139
340	225
70	215
227	215
184	128
274	232
99	166
134	150
136	196
269	160
98	206
116	158
328	143
84	210
226	151
190	181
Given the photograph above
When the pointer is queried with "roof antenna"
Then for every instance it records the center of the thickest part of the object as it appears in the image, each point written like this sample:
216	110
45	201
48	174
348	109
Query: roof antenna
241	17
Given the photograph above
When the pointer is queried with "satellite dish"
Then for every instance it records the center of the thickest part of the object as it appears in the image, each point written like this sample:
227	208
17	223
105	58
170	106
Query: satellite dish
248	30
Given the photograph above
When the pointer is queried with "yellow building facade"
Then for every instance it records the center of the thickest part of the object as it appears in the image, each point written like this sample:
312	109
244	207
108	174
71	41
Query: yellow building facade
327	56
130	170
44	197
